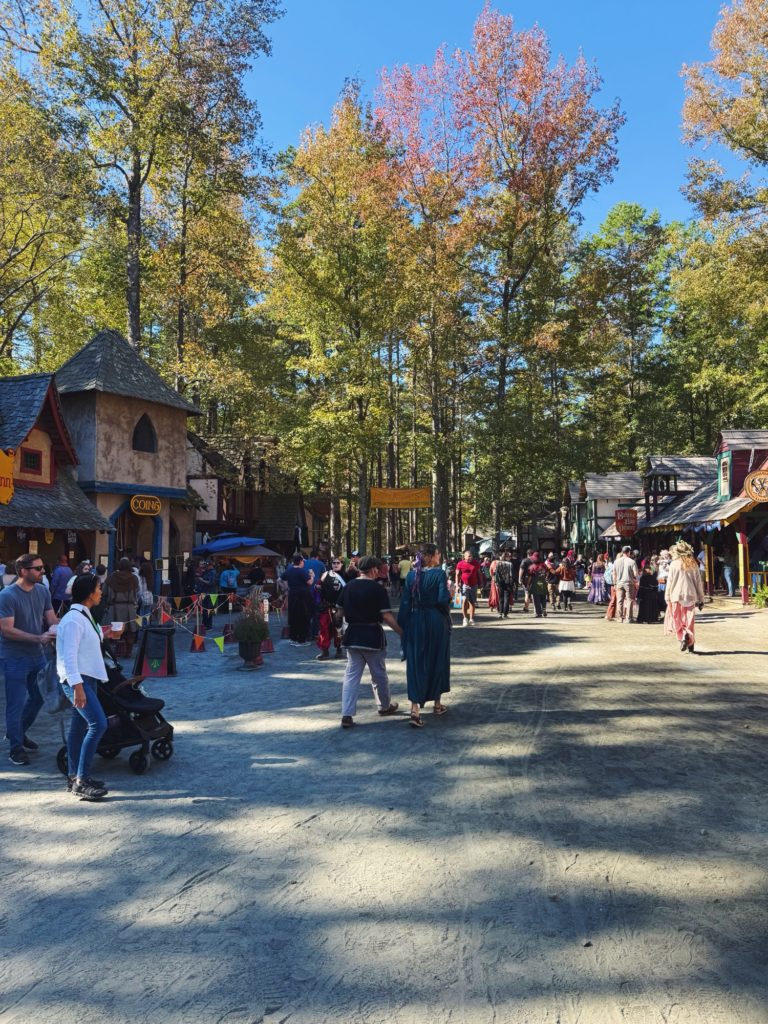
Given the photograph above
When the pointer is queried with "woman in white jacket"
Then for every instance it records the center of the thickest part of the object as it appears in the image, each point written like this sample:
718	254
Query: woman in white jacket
683	594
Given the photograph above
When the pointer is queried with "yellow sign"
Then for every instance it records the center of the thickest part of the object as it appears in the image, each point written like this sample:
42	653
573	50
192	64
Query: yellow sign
400	497
756	485
145	505
6	476
50	536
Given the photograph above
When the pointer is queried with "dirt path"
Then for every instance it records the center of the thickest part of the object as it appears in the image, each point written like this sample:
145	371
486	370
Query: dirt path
581	840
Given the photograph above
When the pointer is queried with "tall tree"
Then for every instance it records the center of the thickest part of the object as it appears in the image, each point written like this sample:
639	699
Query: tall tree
121	72
335	289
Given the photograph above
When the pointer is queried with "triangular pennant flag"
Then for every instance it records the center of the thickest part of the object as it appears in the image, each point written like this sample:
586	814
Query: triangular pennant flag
214	598
177	602
199	641
164	617
219	641
139	620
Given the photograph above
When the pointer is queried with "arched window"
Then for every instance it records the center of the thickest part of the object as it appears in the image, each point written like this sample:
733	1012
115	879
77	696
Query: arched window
144	436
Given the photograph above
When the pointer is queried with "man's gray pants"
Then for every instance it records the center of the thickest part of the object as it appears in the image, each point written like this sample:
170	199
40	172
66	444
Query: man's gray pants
357	659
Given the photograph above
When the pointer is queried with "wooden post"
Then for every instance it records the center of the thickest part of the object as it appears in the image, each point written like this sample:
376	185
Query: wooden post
741	534
709	568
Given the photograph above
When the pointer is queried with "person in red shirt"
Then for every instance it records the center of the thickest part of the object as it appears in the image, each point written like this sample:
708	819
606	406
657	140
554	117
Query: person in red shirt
468	578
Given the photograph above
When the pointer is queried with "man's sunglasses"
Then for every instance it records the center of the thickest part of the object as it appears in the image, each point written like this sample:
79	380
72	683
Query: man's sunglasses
35	568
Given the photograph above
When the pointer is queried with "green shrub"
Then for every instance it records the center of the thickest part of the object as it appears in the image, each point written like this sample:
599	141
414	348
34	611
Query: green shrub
251	628
760	597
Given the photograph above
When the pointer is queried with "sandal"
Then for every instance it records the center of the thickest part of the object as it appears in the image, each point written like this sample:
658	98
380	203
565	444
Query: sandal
439	709
416	721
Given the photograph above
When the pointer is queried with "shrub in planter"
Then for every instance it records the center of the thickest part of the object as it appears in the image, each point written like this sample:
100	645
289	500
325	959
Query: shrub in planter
250	630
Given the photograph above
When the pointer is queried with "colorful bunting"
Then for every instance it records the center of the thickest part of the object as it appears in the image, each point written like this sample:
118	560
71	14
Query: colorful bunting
177	602
219	641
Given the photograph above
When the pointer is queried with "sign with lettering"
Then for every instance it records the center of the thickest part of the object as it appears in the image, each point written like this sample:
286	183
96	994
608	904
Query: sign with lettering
6	476
756	485
145	505
626	521
401	497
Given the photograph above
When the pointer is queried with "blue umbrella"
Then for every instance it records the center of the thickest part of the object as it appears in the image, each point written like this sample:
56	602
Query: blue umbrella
227	542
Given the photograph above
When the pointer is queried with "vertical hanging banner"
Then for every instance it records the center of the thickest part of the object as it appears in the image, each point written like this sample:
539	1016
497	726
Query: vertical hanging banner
401	497
6	476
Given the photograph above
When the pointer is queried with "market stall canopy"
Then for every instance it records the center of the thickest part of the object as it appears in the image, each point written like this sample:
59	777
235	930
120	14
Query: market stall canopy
257	551
227	544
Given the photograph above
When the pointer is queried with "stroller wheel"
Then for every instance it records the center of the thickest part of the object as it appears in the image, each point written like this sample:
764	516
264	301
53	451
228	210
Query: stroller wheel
162	750
109	752
61	761
139	762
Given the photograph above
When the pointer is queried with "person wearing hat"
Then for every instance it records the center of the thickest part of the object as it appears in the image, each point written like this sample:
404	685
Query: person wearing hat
353	571
366	605
684	593
625	582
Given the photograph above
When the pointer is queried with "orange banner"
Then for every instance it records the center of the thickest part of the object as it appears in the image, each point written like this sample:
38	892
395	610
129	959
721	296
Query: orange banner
401	497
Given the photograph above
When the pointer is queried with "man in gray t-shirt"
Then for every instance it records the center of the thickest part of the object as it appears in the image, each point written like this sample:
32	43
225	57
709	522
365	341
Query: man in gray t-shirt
26	614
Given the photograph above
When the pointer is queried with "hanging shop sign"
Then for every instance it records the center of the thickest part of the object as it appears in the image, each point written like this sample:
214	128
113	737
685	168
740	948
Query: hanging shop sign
756	486
6	476
401	497
49	536
71	537
145	505
626	521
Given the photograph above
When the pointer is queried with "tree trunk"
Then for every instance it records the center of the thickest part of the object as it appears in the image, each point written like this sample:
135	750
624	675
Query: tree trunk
133	259
362	514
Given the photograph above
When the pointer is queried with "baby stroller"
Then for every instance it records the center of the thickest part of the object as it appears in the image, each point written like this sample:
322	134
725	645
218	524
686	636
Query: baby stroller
133	720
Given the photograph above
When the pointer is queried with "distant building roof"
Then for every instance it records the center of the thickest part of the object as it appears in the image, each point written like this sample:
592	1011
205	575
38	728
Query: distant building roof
219	463
608	485
741	439
277	516
60	507
109	364
691	471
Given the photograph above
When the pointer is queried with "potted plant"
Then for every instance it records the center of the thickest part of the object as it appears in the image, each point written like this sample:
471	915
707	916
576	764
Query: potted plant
250	630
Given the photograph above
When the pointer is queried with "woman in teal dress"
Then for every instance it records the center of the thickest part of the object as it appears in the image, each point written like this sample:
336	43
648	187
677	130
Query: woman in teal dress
425	619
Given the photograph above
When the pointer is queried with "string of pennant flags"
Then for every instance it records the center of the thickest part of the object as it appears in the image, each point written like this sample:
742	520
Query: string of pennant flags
200	603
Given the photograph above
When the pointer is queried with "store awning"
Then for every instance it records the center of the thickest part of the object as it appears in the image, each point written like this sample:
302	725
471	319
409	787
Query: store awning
700	510
60	507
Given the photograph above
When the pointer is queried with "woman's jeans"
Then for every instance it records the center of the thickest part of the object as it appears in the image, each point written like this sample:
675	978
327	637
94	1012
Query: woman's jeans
539	603
86	728
728	577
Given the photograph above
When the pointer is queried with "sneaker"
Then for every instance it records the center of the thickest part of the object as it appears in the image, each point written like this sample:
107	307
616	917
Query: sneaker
322	657
347	722
17	756
465	622
87	791
683	645
391	710
98	783
29	744
294	643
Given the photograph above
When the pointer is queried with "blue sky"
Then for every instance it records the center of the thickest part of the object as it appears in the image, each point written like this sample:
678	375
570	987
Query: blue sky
639	47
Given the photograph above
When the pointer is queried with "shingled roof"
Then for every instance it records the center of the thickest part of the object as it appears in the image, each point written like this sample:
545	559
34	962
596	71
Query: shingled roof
23	401
691	471
109	364
61	507
742	439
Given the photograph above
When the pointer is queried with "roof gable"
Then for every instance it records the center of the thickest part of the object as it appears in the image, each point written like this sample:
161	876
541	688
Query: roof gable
26	401
109	364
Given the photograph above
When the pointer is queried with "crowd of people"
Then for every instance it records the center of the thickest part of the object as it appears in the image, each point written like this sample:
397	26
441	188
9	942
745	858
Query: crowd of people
342	606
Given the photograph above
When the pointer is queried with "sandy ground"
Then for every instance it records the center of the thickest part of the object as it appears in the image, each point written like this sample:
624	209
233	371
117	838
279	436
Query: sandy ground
581	840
